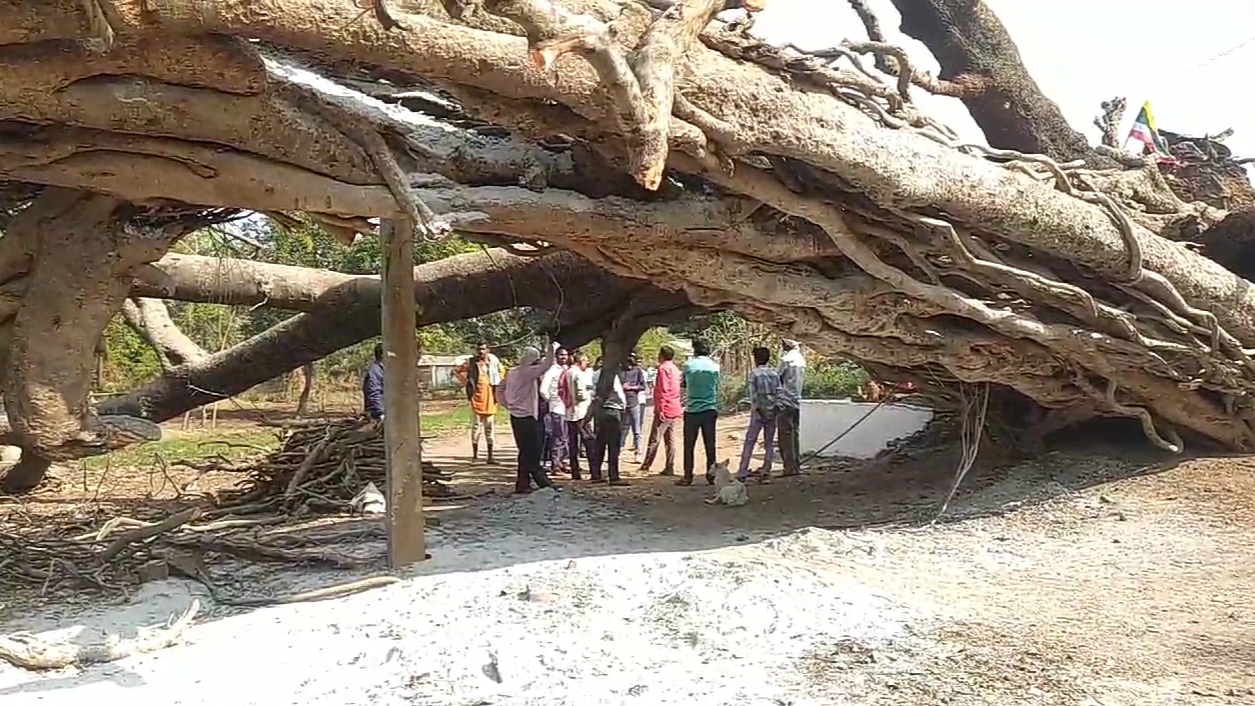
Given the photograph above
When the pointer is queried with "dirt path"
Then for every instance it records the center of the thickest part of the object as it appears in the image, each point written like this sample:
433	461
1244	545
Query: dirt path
1095	569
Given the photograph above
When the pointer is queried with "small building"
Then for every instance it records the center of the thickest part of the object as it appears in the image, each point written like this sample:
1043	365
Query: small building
436	371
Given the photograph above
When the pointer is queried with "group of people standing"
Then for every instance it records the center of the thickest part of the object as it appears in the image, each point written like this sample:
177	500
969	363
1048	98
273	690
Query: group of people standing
555	414
689	397
550	398
775	396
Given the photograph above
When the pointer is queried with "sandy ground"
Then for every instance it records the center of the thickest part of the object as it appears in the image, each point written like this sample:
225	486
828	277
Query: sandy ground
1097	575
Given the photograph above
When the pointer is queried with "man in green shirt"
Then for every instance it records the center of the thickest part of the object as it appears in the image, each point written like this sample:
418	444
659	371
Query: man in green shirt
701	409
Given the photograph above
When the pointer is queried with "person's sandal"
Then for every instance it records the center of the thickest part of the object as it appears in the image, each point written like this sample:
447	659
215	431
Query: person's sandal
684	481
620	483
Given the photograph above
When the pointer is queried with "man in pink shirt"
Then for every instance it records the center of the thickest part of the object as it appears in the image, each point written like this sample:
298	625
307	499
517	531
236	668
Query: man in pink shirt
667	411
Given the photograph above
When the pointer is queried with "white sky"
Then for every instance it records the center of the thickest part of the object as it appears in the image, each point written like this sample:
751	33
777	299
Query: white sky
1187	60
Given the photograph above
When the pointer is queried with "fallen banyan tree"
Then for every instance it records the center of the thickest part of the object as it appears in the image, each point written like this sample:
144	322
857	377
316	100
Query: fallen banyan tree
695	163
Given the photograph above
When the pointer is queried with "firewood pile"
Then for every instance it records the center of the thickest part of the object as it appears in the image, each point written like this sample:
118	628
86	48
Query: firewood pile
269	517
115	556
322	466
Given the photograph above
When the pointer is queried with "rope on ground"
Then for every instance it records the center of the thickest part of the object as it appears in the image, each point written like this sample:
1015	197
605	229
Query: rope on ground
843	434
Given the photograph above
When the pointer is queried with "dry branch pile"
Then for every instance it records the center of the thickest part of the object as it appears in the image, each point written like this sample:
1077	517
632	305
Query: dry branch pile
1208	169
322	466
123	552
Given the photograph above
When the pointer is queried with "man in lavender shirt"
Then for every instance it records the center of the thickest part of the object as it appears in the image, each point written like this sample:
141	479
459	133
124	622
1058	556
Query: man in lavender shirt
520	394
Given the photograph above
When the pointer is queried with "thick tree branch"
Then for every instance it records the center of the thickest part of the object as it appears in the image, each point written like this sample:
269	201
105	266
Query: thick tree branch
1020	270
151	320
347	312
974	49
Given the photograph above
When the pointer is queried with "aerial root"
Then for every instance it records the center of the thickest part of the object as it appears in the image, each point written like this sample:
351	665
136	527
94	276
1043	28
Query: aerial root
1004	321
1066	291
99	24
29	652
318	594
973	425
1172	444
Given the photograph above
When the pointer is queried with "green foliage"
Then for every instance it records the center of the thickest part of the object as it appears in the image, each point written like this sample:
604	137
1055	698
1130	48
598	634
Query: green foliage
732	392
593	349
726	332
440	340
651	341
830	378
212	326
129	360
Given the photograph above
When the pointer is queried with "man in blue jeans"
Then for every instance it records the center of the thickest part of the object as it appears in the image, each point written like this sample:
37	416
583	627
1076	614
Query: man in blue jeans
701	409
633	379
764	389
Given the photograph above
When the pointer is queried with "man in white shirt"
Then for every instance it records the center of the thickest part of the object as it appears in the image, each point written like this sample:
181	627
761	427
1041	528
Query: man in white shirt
555	418
577	386
792	373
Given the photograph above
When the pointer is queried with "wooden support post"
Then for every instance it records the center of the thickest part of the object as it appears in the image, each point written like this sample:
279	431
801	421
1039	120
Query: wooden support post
402	440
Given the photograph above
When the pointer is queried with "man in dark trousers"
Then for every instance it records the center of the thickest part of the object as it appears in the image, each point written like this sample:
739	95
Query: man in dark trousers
372	386
701	409
520	395
608	434
792	375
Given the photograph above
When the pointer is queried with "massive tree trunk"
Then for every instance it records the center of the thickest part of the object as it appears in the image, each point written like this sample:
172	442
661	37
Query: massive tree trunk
805	195
78	253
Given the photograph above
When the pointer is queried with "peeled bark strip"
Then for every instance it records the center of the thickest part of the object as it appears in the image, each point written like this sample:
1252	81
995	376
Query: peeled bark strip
32	653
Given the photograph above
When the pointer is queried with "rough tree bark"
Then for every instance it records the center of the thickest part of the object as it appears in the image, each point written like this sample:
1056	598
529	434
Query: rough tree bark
804	194
79	252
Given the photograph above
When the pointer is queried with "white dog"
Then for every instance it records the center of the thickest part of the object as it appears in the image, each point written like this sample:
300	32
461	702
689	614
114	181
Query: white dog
728	490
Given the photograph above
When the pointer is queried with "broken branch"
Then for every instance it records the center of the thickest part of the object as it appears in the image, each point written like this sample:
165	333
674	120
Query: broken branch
29	652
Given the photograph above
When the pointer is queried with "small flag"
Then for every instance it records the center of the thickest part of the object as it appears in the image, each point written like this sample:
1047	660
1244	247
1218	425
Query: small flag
1144	131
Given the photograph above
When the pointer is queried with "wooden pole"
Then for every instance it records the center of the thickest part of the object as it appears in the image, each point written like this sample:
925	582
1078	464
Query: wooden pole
402	440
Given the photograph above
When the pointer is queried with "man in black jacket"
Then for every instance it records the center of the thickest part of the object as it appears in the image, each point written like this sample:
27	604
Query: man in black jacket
633	378
372	386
